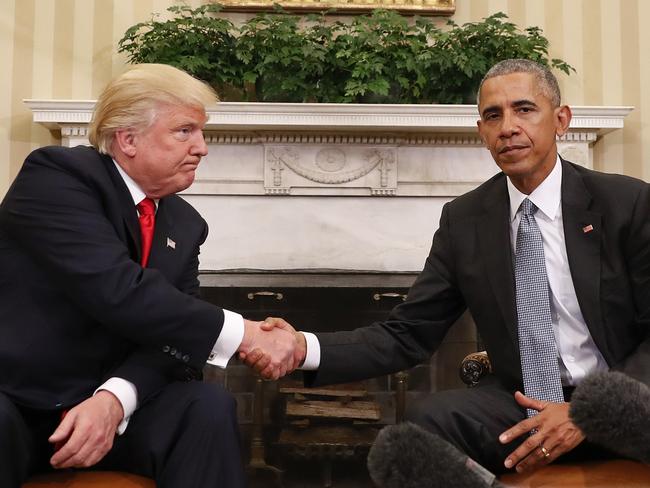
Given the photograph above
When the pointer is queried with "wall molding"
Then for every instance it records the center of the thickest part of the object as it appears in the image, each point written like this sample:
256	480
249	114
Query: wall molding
351	118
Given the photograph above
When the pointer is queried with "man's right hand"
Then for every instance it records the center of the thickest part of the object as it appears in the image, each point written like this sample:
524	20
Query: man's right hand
262	363
275	346
87	431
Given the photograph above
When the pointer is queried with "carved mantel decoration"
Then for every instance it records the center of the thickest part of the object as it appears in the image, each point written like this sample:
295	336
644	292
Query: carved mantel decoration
333	165
331	185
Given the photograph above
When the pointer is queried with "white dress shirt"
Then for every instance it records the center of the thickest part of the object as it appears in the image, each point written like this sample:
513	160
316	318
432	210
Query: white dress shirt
578	354
227	343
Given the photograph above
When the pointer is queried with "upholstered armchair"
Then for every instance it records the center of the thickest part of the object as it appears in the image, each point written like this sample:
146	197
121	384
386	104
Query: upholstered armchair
90	479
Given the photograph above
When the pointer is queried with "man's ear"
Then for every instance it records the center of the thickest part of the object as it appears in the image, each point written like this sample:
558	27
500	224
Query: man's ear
125	140
479	123
563	119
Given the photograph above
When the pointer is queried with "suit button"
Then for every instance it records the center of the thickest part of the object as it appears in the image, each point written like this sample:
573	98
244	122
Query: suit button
173	351
186	358
165	348
178	355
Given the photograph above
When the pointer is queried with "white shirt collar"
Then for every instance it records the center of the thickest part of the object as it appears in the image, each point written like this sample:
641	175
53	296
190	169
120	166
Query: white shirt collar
136	192
546	197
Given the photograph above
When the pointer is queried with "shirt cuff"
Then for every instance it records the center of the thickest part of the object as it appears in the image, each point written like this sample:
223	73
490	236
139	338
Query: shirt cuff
312	358
127	395
229	340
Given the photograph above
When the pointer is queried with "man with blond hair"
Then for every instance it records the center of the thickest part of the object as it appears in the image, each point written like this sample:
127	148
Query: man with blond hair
103	333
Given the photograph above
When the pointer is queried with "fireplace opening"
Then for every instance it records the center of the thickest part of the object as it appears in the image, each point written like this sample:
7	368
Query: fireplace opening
328	446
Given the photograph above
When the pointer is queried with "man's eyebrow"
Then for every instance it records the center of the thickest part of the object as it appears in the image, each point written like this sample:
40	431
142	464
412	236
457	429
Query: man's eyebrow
524	102
491	109
186	123
516	104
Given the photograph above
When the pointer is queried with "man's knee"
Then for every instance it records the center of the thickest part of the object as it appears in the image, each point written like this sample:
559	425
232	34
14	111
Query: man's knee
210	405
435	410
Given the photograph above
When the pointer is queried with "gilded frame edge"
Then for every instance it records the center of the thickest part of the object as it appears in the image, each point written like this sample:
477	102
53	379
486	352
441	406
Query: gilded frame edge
422	7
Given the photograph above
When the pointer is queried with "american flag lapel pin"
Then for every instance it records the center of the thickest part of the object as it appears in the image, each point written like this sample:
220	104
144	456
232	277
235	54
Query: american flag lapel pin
587	228
171	243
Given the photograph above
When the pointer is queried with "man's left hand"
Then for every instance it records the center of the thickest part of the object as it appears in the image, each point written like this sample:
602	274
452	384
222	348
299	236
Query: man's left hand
555	435
87	431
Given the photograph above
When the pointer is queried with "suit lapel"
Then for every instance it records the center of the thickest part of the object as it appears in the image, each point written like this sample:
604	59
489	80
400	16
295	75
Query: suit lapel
163	239
127	210
496	251
582	233
163	230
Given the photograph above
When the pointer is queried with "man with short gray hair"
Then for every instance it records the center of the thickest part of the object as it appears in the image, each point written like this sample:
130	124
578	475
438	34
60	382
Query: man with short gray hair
553	262
544	78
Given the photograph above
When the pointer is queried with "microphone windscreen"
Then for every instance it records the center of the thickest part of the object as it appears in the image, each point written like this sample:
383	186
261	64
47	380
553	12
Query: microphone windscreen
613	410
407	456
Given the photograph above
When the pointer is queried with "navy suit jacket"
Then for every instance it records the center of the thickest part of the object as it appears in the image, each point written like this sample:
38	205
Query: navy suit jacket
470	266
75	305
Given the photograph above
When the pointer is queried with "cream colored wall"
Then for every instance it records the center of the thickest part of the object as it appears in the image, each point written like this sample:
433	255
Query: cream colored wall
65	49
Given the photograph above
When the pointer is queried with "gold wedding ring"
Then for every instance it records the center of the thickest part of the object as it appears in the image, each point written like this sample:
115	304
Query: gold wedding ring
545	451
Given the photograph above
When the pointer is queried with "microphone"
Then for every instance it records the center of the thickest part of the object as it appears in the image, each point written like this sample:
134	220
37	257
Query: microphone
407	456
613	410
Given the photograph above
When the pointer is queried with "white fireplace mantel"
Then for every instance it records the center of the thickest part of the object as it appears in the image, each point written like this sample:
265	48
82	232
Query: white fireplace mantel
322	186
60	114
398	117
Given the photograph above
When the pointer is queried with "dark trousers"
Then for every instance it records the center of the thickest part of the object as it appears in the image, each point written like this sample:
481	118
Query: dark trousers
185	437
472	419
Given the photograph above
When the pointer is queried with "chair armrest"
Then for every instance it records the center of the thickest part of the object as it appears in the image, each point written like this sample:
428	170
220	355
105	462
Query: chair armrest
401	385
473	367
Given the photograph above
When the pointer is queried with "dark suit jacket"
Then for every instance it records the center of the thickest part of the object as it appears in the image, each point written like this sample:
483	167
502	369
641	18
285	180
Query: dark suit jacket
471	266
75	306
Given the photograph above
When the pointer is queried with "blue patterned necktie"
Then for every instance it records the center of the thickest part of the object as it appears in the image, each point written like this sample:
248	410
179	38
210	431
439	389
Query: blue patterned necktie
537	348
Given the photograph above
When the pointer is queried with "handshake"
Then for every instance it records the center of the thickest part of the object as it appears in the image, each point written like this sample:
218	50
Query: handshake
273	348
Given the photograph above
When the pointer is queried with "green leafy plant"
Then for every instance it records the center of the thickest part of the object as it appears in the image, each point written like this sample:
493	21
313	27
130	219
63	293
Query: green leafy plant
464	54
195	40
382	57
283	59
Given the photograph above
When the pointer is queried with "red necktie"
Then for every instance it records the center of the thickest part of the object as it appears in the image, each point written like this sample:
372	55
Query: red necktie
147	211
